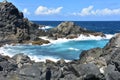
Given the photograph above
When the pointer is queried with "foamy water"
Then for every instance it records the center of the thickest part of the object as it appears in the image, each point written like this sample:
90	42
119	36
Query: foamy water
45	27
68	49
80	38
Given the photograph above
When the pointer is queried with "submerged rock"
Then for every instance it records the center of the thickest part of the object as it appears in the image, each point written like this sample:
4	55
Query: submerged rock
40	42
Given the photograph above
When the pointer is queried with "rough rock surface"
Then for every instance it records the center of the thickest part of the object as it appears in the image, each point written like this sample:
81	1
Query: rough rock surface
31	70
70	30
107	59
14	27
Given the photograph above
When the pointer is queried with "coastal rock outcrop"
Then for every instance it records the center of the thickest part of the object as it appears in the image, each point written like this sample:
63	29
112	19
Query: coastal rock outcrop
70	30
14	27
107	59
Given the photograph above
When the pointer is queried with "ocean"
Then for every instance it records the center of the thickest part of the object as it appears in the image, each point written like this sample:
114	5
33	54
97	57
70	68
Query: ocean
64	48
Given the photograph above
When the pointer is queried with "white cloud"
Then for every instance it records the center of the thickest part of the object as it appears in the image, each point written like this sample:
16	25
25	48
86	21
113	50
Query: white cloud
41	10
25	11
90	11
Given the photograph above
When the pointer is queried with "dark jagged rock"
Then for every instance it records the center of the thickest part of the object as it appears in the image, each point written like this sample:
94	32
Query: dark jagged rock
12	23
70	30
14	27
107	58
112	46
3	58
8	66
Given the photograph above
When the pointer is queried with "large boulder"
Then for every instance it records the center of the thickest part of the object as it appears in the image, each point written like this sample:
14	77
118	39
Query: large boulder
86	69
80	71
31	72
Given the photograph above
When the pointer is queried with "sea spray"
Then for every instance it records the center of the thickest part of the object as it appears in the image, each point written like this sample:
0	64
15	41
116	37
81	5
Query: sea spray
80	38
45	27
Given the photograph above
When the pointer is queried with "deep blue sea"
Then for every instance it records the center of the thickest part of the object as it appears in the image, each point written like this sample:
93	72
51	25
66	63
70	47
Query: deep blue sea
66	49
107	27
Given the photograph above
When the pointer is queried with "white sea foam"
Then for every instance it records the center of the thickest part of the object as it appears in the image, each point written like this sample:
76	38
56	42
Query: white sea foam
36	58
109	36
80	38
74	49
5	52
45	27
44	58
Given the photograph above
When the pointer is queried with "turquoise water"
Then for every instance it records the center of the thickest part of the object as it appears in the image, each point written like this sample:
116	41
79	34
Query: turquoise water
67	50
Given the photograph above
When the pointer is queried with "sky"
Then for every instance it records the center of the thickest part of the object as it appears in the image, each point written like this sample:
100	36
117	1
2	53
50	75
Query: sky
69	10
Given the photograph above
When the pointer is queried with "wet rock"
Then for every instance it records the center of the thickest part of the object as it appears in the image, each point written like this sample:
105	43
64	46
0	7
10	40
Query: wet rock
39	41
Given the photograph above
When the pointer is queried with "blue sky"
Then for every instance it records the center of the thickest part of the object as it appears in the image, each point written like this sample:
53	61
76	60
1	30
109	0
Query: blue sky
70	10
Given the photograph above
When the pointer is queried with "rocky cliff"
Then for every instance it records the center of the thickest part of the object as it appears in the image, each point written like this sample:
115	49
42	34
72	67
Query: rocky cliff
14	27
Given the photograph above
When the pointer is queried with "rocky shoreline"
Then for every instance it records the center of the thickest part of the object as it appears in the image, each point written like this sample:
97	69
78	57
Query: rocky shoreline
94	64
